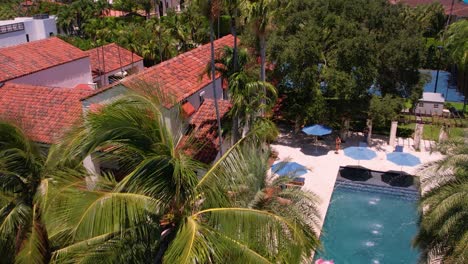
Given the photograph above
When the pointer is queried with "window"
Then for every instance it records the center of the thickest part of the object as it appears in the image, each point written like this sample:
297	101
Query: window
436	105
51	34
421	104
27	37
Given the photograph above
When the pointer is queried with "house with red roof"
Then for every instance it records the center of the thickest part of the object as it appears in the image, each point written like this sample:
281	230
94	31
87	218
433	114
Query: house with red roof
49	62
111	63
181	81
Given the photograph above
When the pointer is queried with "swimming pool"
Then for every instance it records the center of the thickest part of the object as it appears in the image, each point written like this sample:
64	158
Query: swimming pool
370	224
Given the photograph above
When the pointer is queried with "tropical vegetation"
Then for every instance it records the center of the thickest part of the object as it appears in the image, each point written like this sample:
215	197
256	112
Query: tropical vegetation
155	207
444	205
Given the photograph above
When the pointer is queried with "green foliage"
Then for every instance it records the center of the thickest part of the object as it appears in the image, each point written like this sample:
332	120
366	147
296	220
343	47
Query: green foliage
457	48
9	9
191	218
338	49
383	110
444	205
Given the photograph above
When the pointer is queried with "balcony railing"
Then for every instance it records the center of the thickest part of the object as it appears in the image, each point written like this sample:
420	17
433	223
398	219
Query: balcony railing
41	16
11	28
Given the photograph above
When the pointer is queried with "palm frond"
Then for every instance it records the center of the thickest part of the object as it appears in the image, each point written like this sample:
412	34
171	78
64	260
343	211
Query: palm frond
35	249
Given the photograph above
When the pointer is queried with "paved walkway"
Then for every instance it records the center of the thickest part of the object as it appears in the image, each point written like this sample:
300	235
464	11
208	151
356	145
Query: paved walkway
324	163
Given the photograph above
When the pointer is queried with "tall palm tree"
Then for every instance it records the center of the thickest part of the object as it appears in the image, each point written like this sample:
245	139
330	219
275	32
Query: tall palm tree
443	228
211	9
25	182
161	210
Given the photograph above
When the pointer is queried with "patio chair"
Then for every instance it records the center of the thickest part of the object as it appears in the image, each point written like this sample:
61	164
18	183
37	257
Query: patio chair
398	148
363	144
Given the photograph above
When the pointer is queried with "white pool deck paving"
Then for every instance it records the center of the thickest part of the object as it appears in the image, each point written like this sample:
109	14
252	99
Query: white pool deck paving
324	163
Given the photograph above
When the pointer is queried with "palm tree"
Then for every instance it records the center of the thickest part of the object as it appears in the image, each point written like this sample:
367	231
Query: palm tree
25	183
457	47
211	9
249	98
443	228
161	210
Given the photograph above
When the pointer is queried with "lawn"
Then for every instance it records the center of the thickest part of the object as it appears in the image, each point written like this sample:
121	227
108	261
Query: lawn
458	106
431	132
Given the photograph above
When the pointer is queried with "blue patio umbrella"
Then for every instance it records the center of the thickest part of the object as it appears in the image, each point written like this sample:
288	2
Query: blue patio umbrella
403	159
360	153
317	130
289	169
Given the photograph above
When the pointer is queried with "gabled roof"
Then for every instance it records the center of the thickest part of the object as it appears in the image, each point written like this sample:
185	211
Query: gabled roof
433	97
203	145
44	113
113	56
27	58
181	76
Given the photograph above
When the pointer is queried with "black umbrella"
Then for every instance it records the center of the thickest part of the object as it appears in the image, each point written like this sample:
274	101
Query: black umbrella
397	178
355	173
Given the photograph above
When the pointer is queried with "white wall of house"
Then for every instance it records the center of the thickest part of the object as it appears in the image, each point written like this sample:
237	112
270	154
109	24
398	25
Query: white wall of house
138	65
34	29
194	99
66	75
105	97
429	108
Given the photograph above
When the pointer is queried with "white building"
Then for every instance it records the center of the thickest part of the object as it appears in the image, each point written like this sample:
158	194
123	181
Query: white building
26	29
430	104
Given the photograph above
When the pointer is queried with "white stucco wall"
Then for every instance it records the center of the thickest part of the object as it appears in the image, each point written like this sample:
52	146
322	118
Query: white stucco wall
36	29
428	108
12	38
67	75
105	97
194	99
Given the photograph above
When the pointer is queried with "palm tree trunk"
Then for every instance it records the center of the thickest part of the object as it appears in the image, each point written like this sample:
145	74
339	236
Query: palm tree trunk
262	68
120	59
234	33
213	78
235	130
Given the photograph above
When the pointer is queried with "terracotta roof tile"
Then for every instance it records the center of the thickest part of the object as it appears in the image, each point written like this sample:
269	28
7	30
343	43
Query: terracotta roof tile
181	76
111	58
44	113
203	143
27	58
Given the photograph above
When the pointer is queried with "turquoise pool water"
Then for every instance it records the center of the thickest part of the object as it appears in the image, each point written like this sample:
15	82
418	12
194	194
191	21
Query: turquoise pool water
370	224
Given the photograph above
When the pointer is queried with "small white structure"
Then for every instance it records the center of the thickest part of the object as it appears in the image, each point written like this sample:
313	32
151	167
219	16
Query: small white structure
26	29
430	104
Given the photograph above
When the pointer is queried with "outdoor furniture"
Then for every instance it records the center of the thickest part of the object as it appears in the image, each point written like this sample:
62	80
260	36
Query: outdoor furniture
317	131
288	169
360	153
403	159
398	148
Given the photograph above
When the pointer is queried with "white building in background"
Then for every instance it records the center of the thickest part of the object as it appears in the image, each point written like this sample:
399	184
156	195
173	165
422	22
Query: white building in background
431	104
25	29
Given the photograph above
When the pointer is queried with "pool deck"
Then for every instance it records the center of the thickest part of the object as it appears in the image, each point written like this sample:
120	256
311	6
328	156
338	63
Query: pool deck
324	164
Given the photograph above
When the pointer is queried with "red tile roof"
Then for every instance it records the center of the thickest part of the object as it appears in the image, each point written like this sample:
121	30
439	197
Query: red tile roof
111	58
44	113
27	58
203	143
459	8
181	76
